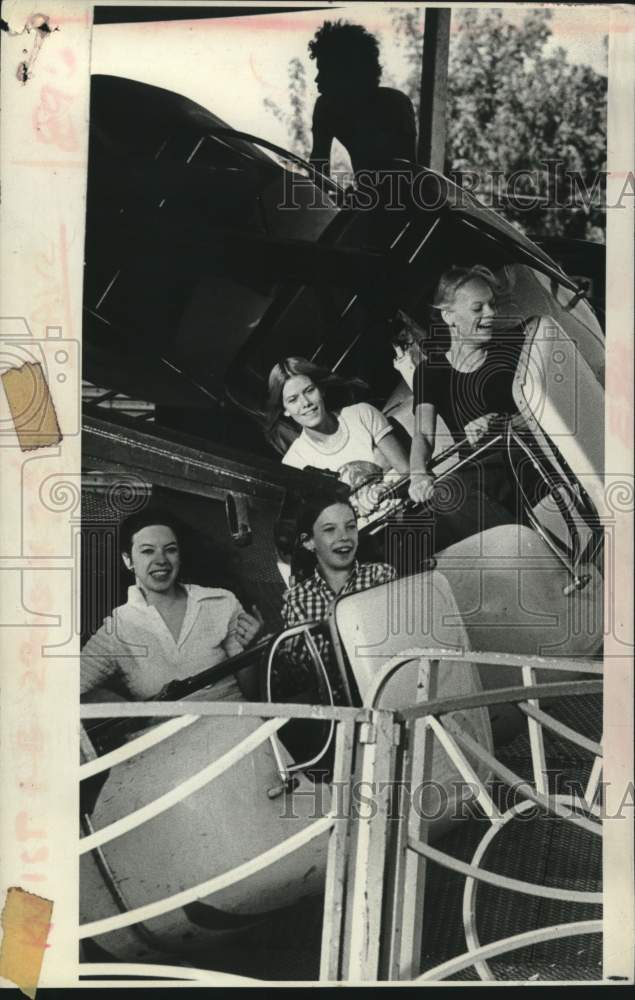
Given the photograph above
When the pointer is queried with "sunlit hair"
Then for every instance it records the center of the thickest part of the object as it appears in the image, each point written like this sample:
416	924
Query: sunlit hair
303	562
290	367
347	46
455	277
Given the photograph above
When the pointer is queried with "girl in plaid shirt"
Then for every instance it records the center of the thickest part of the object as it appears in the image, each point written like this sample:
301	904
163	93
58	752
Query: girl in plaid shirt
326	544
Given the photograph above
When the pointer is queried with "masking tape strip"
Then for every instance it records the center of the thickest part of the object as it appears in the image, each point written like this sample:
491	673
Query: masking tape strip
26	919
32	409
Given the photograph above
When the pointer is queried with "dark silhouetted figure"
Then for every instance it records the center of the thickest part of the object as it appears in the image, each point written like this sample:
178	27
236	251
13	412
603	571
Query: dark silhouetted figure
375	124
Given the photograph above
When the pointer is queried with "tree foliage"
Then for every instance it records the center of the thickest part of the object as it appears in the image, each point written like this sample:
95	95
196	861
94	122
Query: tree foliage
296	120
521	109
521	119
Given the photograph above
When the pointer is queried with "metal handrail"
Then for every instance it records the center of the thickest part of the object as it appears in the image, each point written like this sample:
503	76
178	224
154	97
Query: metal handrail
502	881
242	709
465	753
285	771
394	491
471	657
499	696
382	724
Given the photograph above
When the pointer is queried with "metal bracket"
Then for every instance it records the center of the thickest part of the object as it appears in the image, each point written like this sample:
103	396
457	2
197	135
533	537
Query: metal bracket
367	733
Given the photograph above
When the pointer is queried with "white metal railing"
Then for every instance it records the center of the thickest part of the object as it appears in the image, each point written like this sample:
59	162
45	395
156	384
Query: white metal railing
183	714
434	722
182	791
501	947
376	861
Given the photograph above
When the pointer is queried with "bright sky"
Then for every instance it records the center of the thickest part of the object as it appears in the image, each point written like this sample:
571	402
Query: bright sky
230	65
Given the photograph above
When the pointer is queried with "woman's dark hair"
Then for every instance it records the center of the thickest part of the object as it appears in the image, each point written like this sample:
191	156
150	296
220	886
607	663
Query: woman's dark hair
286	369
403	330
347	46
143	519
302	561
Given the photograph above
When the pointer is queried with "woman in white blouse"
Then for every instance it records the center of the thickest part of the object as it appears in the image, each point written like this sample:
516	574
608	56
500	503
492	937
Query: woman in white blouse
328	439
167	630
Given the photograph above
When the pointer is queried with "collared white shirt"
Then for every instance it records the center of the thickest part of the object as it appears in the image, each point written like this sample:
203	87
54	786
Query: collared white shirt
134	653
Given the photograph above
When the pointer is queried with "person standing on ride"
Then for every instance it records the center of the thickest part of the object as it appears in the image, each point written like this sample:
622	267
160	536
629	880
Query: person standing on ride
325	564
328	440
468	384
376	125
167	630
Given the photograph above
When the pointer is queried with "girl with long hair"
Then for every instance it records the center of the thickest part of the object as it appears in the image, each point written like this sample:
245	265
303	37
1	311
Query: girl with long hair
299	394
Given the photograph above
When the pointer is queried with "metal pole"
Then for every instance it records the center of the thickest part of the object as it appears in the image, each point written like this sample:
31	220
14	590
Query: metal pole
331	955
434	81
406	886
372	795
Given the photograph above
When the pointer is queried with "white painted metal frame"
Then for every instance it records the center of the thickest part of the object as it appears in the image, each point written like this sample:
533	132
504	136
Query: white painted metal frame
375	880
352	725
456	744
405	920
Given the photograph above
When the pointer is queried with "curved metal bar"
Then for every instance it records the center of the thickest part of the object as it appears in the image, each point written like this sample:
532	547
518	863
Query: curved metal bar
499	696
134	747
471	884
401	659
502	881
215	884
183	790
230	133
470	657
285	770
559	727
548	802
461	962
218	709
170	972
493	696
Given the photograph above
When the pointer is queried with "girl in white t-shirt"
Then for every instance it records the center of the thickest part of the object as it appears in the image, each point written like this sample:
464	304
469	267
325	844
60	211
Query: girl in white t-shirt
330	440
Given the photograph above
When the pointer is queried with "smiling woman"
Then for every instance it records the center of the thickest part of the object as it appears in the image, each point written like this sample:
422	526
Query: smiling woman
470	384
167	630
329	440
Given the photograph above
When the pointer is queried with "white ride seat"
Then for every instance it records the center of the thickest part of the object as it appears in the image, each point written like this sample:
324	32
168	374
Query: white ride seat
512	592
561	397
372	627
